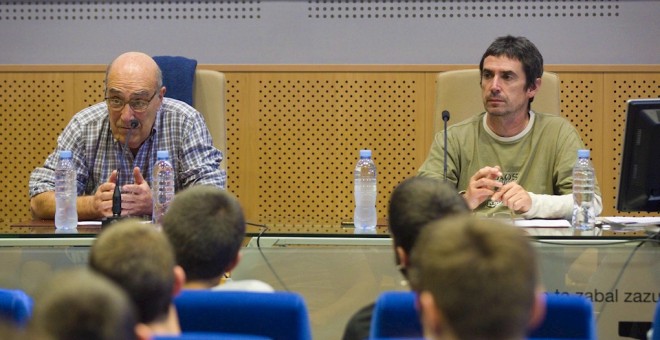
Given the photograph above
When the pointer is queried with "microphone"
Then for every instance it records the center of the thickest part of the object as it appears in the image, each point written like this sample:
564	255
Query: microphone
116	195
116	200
445	118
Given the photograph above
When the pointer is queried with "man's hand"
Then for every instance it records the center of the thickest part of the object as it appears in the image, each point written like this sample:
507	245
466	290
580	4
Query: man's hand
136	197
514	196
103	196
482	186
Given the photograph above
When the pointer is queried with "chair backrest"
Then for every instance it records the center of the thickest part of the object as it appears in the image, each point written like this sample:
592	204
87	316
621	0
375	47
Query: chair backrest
277	315
178	77
656	323
395	316
15	306
209	336
209	100
459	93
567	317
203	89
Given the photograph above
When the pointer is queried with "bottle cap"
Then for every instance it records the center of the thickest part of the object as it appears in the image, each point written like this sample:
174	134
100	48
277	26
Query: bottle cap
65	154
162	154
583	153
365	153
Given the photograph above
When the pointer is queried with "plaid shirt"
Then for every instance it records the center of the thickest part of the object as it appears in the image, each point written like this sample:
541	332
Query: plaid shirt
178	128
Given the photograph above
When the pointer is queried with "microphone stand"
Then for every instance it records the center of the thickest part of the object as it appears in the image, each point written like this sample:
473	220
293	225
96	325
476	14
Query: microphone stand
445	118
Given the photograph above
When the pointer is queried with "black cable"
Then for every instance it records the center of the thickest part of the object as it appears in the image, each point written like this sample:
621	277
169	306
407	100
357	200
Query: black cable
618	278
264	228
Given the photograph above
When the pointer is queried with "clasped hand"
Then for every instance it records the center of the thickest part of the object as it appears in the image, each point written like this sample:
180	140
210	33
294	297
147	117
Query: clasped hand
484	184
135	198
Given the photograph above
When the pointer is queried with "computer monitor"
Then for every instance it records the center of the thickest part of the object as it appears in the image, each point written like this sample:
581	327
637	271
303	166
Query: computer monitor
639	180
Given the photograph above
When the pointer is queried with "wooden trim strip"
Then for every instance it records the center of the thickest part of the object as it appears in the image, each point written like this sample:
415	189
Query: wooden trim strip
641	68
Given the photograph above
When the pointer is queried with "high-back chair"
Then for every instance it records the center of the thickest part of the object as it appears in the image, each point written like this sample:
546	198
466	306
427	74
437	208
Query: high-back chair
277	315
209	336
15	306
566	317
209	100
459	93
395	316
655	326
202	89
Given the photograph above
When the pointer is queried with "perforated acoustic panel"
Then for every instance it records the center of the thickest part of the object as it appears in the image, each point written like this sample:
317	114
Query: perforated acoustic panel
129	10
441	9
35	108
301	139
618	88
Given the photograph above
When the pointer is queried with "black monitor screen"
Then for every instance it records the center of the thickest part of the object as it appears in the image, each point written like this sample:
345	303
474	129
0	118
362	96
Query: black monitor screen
639	180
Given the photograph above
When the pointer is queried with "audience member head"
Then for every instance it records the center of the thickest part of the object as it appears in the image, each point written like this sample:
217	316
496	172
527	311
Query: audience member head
80	304
206	227
475	279
133	79
139	259
415	202
521	49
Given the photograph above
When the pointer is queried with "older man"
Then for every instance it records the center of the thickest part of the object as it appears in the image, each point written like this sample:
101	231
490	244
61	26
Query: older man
124	132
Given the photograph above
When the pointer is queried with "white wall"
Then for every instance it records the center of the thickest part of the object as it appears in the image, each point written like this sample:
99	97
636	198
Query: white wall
327	31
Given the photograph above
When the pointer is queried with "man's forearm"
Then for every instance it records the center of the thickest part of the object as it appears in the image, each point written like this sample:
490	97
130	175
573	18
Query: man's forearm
42	206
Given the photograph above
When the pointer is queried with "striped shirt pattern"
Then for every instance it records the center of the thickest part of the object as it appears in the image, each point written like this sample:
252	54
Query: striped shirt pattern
179	129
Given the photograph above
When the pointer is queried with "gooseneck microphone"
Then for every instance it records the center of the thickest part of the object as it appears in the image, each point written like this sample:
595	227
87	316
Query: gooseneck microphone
116	195
445	118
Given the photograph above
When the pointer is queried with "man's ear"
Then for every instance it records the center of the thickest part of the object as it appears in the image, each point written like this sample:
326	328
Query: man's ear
142	332
431	316
538	310
179	280
402	257
534	88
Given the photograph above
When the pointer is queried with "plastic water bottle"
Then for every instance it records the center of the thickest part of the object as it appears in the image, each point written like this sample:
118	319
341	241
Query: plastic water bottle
163	186
584	215
66	193
365	192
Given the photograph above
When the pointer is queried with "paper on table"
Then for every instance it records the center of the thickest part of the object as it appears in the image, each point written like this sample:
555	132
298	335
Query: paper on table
541	223
89	222
630	220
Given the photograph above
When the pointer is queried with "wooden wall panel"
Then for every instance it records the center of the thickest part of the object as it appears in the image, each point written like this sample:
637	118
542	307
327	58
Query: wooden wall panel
35	108
305	133
618	88
294	135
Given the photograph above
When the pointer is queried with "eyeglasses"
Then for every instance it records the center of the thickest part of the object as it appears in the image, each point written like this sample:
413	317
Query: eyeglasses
137	105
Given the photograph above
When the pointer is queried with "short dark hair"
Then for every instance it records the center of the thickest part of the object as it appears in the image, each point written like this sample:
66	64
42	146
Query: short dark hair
206	227
473	266
80	304
518	48
417	201
139	259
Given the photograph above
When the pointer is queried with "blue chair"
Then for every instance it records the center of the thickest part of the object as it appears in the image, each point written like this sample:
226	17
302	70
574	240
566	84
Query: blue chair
566	317
277	315
15	306
655	328
208	336
395	316
178	77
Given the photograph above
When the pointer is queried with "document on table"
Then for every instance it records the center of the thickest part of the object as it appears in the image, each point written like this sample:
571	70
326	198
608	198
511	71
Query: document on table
89	222
541	223
631	220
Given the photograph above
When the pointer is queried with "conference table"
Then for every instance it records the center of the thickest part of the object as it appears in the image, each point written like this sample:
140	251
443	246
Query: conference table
338	270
